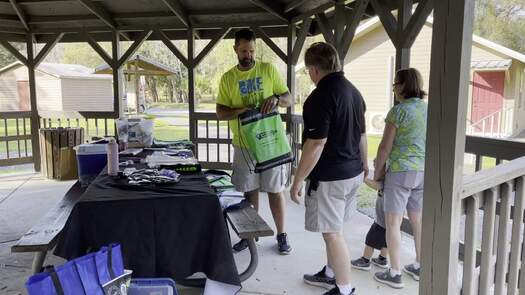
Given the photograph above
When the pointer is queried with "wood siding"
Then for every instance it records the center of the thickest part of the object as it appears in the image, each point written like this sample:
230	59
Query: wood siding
367	66
57	94
95	95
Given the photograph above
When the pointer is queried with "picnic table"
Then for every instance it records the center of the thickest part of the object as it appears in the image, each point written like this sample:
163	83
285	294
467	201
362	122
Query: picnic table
166	231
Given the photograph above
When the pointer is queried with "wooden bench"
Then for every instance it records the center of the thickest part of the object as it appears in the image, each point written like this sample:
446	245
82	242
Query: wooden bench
43	236
249	225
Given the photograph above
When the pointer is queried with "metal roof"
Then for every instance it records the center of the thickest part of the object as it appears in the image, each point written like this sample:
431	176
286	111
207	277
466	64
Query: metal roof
101	17
146	66
501	64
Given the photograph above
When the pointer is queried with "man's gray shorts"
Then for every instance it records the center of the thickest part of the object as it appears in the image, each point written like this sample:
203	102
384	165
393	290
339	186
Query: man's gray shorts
246	180
330	205
403	190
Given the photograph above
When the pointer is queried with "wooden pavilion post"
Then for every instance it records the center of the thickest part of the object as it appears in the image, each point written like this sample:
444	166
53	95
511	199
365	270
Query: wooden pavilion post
403	50
35	118
290	74
191	89
118	76
32	63
449	76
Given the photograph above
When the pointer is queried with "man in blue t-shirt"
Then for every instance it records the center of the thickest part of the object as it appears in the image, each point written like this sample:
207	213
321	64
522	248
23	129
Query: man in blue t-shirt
333	161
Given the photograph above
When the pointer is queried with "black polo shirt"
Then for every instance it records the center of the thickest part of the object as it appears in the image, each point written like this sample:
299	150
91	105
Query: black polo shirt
335	110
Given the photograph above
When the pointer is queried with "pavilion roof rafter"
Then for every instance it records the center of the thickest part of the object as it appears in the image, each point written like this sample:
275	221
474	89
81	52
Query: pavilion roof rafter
98	10
174	17
20	13
177	9
273	8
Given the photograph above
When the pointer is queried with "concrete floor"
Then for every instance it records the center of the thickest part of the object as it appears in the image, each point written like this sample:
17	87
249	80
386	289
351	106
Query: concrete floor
24	198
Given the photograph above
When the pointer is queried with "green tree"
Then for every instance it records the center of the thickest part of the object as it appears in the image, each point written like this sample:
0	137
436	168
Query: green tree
501	21
6	57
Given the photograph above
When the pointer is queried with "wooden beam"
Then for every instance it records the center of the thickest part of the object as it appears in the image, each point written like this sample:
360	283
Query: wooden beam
445	145
118	86
272	7
20	13
339	24
143	36
47	48
210	46
417	21
299	42
387	19
290	73
14	51
160	34
35	118
132	15
191	88
176	7
293	5
353	22
261	34
403	16
10	17
326	28
98	49
100	12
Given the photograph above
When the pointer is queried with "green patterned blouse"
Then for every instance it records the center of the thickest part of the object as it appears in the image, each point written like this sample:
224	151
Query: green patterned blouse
408	150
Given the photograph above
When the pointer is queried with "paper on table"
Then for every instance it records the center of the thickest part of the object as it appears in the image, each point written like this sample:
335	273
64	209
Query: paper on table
217	288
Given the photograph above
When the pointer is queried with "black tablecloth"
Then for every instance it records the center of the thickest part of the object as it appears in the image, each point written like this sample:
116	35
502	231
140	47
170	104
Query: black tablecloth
169	231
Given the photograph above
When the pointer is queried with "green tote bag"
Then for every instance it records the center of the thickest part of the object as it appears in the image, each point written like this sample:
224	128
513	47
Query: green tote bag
264	136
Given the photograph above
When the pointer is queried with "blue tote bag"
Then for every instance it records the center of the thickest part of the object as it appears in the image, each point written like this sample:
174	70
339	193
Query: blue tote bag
82	276
63	279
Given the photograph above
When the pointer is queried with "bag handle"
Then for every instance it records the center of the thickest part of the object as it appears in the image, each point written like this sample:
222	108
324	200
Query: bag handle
54	278
110	262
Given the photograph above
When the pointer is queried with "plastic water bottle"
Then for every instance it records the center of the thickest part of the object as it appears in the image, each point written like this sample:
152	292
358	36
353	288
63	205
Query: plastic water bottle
112	151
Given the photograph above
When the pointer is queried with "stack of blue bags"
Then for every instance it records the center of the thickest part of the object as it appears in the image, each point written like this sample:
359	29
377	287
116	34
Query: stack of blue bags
86	275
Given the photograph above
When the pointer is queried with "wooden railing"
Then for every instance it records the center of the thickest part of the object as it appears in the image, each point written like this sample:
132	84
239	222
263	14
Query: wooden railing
493	202
500	149
15	138
95	124
213	141
15	132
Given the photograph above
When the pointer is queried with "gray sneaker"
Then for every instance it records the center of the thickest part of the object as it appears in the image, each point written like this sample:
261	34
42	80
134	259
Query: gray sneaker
412	271
320	280
387	278
361	264
380	262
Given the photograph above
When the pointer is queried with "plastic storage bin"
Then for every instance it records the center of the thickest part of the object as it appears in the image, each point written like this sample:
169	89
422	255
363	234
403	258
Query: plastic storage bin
91	159
160	286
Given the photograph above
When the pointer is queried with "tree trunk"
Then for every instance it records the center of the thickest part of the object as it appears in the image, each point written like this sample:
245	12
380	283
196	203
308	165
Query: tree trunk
152	85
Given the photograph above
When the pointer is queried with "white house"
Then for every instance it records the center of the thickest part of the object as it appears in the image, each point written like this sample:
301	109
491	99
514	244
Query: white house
59	87
497	82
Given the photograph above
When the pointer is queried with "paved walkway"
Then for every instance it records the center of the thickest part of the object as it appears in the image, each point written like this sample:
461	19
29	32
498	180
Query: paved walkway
24	198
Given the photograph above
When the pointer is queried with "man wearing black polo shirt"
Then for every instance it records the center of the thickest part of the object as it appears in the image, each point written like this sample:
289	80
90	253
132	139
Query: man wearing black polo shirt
333	162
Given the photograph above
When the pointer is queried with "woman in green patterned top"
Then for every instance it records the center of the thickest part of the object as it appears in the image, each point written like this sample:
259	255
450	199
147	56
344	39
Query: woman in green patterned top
402	149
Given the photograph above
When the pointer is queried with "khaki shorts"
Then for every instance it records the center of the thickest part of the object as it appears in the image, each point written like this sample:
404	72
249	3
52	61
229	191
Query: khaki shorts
403	191
246	180
331	204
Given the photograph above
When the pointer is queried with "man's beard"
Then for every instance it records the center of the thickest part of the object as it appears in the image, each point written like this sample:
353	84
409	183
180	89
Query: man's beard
246	62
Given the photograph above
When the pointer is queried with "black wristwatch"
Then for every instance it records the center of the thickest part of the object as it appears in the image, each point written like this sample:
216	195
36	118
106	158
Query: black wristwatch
278	98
